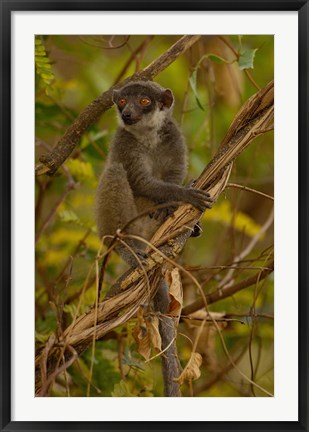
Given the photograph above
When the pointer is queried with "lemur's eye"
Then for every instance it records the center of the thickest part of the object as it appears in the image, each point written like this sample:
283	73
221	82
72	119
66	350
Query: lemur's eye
145	101
122	102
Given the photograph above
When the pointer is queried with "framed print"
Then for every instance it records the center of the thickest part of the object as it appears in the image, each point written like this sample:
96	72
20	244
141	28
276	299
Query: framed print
154	215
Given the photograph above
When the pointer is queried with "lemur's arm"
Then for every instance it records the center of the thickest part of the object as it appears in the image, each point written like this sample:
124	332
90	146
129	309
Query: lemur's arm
146	185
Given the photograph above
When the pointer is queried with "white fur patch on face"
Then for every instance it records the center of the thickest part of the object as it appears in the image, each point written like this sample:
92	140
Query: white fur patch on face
146	130
119	119
156	119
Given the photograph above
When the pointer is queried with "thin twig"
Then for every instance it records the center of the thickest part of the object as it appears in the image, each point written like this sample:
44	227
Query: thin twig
137	50
248	249
221	294
99	42
246	188
251	79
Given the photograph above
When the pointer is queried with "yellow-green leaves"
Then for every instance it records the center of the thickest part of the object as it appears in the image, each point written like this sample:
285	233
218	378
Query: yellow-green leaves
42	64
82	171
69	216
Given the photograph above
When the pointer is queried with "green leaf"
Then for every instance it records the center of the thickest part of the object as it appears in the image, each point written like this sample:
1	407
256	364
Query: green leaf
70	309
48	90
192	81
41	60
122	390
246	59
68	216
129	360
193	78
39	48
44	67
217	59
82	171
47	75
43	338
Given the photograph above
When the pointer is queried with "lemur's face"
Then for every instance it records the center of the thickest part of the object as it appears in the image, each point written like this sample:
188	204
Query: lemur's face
139	103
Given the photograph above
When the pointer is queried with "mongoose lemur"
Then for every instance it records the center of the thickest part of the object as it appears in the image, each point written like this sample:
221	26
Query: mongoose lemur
146	166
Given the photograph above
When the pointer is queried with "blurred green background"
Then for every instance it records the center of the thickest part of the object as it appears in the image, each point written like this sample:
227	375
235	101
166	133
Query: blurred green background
210	83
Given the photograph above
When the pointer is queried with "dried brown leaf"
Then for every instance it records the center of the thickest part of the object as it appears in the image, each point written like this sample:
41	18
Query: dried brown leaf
176	292
146	334
192	370
197	318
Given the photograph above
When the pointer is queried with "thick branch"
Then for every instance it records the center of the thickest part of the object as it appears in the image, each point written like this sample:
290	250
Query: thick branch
49	163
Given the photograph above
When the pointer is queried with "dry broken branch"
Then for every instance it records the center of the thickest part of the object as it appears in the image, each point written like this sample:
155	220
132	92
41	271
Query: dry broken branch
130	291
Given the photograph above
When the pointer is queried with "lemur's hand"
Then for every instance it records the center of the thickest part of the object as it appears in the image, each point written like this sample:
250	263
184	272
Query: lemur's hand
198	198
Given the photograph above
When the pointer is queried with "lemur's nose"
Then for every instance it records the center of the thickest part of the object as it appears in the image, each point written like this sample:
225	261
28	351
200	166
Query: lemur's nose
126	115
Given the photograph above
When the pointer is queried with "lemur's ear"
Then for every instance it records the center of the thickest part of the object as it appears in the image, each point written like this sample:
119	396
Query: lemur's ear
115	95
167	99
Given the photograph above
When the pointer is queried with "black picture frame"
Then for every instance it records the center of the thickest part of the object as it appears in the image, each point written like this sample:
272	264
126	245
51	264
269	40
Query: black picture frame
7	6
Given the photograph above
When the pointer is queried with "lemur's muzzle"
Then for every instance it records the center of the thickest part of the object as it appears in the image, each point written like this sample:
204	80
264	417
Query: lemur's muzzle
129	119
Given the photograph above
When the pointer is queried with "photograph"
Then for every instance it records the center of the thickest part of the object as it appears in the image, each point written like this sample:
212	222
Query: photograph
154	215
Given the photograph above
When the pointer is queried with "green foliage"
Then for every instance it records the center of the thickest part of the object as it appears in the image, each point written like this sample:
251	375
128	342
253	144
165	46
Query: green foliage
82	171
105	375
69	216
122	390
45	326
42	64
